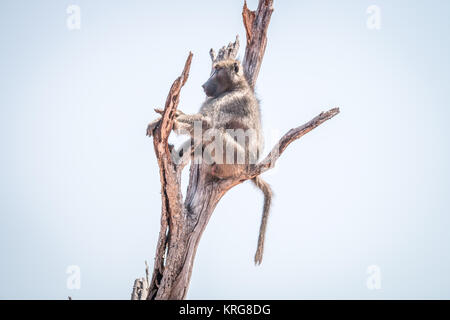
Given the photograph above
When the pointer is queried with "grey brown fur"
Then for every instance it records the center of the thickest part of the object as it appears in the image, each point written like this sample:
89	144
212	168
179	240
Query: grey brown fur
230	105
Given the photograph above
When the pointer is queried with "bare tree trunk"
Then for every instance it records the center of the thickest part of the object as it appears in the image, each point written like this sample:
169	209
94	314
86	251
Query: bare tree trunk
183	223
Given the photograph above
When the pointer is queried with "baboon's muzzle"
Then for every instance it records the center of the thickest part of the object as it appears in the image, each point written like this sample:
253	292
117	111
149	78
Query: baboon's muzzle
210	86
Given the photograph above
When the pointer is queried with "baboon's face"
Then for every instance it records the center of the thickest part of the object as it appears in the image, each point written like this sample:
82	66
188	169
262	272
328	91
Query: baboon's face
225	76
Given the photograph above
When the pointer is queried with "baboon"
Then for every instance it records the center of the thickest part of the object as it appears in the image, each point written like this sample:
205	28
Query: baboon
231	115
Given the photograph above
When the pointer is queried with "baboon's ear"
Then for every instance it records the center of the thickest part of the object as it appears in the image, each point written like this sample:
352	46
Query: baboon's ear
236	67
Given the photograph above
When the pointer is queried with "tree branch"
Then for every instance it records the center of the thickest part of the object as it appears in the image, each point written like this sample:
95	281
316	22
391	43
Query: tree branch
226	52
182	224
171	197
256	24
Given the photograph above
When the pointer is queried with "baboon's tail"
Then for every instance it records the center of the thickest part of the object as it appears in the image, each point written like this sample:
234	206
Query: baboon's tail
265	188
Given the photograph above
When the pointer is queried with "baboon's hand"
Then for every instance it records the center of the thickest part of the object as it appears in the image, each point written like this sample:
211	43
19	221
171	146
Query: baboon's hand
152	126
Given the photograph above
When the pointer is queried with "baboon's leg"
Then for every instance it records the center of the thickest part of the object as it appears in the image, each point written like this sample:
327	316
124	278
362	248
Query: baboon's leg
184	124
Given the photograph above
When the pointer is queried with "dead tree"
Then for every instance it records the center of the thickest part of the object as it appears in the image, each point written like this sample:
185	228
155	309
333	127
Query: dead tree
183	221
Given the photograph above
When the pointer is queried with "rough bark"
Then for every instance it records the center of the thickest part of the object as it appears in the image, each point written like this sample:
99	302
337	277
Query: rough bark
183	223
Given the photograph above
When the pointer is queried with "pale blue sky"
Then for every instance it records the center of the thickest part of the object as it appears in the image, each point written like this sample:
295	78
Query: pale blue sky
79	183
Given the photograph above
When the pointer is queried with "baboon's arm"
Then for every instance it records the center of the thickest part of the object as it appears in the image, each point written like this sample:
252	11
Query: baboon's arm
192	118
183	124
152	125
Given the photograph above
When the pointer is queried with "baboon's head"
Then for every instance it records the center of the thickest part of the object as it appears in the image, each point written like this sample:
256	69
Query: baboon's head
227	76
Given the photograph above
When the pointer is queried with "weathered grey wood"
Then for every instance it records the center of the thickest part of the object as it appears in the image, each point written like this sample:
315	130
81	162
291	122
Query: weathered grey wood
183	223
